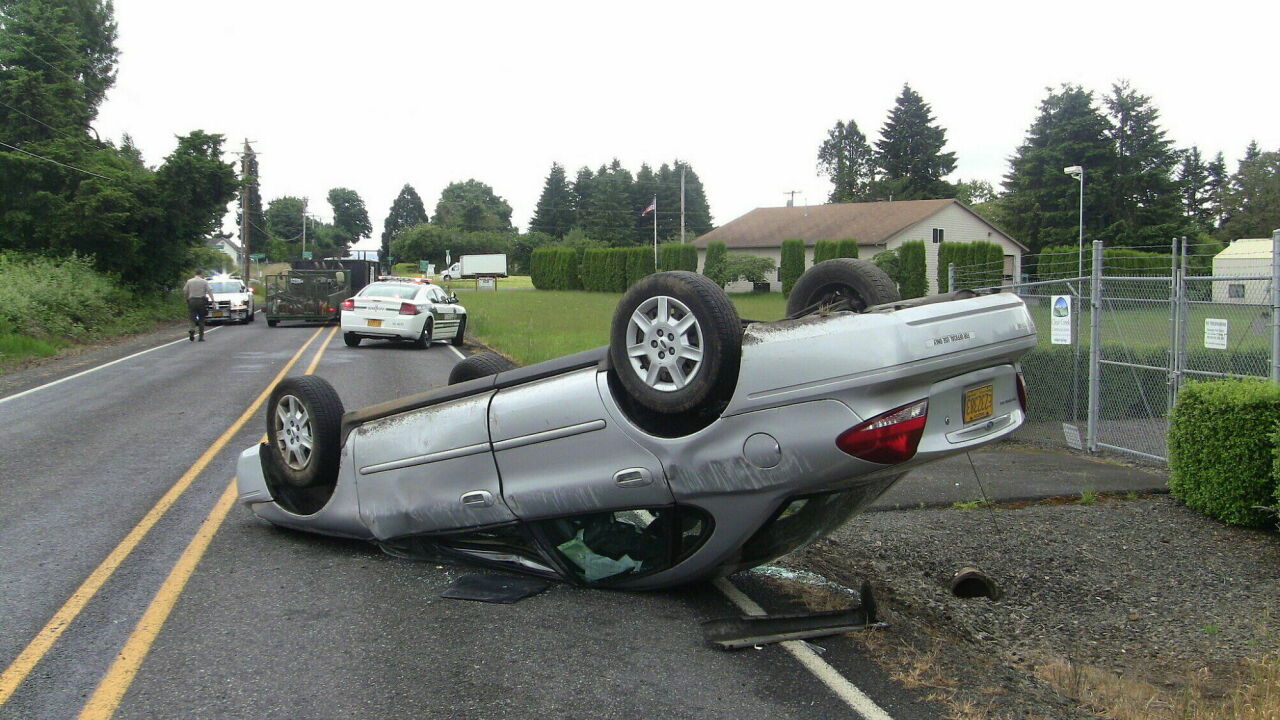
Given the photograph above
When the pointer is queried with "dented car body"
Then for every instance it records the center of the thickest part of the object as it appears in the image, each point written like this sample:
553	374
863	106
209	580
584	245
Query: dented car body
561	469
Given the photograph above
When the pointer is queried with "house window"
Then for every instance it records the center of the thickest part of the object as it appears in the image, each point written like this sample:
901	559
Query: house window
1235	290
937	235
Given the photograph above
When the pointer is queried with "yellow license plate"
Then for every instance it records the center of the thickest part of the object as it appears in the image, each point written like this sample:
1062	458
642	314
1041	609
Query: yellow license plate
216	313
375	323
979	402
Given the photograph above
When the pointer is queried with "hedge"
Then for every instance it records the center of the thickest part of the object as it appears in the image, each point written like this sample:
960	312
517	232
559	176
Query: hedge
714	266
555	268
1222	449
847	247
1062	261
912	283
978	264
677	256
792	266
639	263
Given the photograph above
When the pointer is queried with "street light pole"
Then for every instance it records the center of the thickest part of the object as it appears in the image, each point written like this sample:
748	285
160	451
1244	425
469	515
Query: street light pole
1077	172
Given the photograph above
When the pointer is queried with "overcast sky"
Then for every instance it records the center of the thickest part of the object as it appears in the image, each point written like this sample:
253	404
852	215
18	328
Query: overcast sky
371	95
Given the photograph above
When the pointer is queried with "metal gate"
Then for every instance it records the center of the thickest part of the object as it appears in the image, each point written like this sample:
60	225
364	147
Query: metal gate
1116	345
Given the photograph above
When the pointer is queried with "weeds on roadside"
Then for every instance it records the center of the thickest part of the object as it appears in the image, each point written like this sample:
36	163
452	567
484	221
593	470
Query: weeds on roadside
971	504
1088	497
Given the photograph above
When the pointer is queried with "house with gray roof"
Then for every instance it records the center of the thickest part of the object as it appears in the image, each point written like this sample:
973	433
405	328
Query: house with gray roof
877	226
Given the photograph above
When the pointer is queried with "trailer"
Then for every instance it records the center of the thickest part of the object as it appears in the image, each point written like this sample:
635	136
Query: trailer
313	290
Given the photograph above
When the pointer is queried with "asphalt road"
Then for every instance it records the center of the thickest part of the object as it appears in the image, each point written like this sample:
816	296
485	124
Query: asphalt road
279	624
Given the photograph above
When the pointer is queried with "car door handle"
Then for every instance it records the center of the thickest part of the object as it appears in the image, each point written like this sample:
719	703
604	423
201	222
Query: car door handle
478	498
633	477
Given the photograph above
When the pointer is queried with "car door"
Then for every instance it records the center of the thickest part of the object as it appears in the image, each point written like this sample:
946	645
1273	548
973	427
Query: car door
444	315
559	454
428	470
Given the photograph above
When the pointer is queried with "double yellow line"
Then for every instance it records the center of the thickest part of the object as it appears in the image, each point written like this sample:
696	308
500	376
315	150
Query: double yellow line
106	698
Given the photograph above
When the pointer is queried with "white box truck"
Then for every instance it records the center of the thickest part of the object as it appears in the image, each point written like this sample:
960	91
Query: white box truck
469	266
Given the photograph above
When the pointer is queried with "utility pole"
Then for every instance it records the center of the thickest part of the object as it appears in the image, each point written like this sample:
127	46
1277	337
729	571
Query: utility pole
246	209
681	205
791	199
304	227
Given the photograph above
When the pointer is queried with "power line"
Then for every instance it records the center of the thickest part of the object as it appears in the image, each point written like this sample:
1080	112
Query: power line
55	162
38	120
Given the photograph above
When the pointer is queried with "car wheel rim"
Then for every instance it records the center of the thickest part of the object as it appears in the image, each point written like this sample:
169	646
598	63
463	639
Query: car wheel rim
293	432
665	344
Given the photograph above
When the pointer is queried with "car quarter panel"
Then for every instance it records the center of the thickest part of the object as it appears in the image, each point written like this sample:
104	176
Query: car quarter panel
428	470
338	517
560	453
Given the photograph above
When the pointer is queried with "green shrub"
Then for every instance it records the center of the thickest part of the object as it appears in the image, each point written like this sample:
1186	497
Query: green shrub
713	267
752	268
639	263
912	283
555	268
1222	449
890	263
677	256
594	270
847	248
792	266
824	250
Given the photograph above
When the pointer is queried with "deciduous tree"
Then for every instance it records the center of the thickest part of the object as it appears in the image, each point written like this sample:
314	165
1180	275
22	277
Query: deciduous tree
847	160
472	205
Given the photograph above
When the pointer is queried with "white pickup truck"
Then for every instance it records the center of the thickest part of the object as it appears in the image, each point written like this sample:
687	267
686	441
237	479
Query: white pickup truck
468	266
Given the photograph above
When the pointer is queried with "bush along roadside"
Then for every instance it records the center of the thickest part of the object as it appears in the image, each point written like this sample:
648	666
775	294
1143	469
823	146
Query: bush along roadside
1223	444
50	303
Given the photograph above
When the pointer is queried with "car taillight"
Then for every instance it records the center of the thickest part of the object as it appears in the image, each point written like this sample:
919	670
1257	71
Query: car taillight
409	309
889	438
349	304
1022	391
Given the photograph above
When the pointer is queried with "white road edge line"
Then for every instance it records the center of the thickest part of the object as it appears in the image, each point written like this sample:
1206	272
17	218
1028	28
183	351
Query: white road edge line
457	352
95	369
837	683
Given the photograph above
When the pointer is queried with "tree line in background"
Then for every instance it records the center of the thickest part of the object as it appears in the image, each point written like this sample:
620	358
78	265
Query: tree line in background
605	208
1139	190
64	191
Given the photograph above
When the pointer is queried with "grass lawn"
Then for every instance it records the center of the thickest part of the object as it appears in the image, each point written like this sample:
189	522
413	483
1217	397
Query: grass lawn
543	324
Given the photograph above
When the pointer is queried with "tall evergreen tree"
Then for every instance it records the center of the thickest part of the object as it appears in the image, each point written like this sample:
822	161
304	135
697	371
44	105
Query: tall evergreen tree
846	159
909	151
1041	203
697	211
406	211
250	203
1253	205
609	216
554	212
1219	183
582	196
1144	197
1194	187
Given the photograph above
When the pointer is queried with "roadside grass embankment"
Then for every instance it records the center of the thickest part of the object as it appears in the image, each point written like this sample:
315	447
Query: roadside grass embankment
49	304
530	327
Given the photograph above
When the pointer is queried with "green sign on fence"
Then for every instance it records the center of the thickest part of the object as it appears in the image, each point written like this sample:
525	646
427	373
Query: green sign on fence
306	254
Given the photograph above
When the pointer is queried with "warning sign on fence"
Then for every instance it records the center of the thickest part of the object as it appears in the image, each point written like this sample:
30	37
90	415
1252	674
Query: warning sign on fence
1215	333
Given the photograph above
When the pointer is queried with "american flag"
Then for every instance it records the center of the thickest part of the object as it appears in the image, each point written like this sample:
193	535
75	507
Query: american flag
652	207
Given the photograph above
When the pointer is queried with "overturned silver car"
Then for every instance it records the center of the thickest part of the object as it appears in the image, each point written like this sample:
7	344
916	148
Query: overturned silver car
693	445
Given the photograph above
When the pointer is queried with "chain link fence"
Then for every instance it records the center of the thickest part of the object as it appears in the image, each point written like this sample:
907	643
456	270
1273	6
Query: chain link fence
1162	319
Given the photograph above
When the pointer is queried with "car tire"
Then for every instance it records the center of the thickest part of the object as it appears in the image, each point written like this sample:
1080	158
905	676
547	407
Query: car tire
695	357
479	365
351	339
462	329
424	340
253	314
855	284
272	323
304	420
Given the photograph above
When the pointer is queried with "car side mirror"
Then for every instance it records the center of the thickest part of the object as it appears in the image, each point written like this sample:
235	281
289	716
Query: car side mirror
453	298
